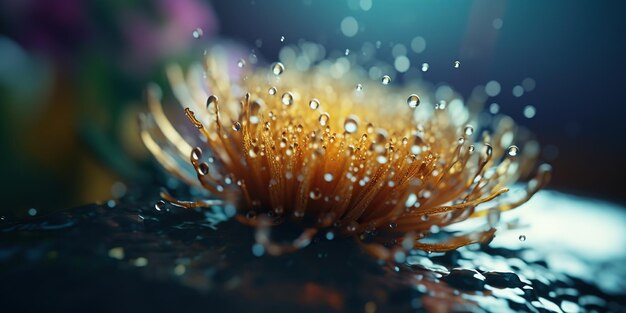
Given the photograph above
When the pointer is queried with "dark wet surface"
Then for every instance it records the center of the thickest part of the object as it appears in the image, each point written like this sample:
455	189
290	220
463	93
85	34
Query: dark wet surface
126	256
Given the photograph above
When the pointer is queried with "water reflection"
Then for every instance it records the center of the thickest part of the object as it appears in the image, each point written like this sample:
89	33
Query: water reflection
128	256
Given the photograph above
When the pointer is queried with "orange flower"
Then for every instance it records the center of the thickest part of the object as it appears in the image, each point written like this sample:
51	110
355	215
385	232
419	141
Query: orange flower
321	146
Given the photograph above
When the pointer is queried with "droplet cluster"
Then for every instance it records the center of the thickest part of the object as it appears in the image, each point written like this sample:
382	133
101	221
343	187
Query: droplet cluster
326	156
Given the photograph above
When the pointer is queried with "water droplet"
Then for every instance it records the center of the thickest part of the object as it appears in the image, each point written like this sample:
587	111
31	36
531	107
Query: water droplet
203	168
241	63
324	119
212	100
328	177
386	80
413	101
159	205
488	151
315	194
351	124
457	64
468	130
271	91
197	33
278	68
287	99
236	126
359	87
314	104
347	52
424	67
196	154
522	238
282	38
513	151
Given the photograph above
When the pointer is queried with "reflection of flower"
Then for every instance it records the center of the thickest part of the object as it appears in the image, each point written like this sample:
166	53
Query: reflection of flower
306	145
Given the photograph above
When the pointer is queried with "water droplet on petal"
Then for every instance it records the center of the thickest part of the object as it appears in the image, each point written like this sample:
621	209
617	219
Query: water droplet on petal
196	154
287	99
271	91
236	126
241	63
513	151
212	100
278	68
282	38
386	80
457	64
424	67
351	124
203	168
413	101
314	104
359	87
324	119
522	238
469	130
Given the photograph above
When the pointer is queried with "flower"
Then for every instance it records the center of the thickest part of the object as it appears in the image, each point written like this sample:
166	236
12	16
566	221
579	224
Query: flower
321	146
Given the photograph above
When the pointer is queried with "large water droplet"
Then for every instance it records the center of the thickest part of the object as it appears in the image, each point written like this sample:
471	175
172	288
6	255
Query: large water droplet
203	168
513	151
413	101
278	68
196	153
287	99
314	104
324	119
212	100
488	151
468	130
386	80
351	124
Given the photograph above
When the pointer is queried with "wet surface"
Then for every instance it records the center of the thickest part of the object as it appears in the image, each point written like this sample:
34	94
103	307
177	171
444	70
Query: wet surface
128	256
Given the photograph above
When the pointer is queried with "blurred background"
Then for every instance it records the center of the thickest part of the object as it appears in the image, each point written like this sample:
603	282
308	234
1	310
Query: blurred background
72	74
